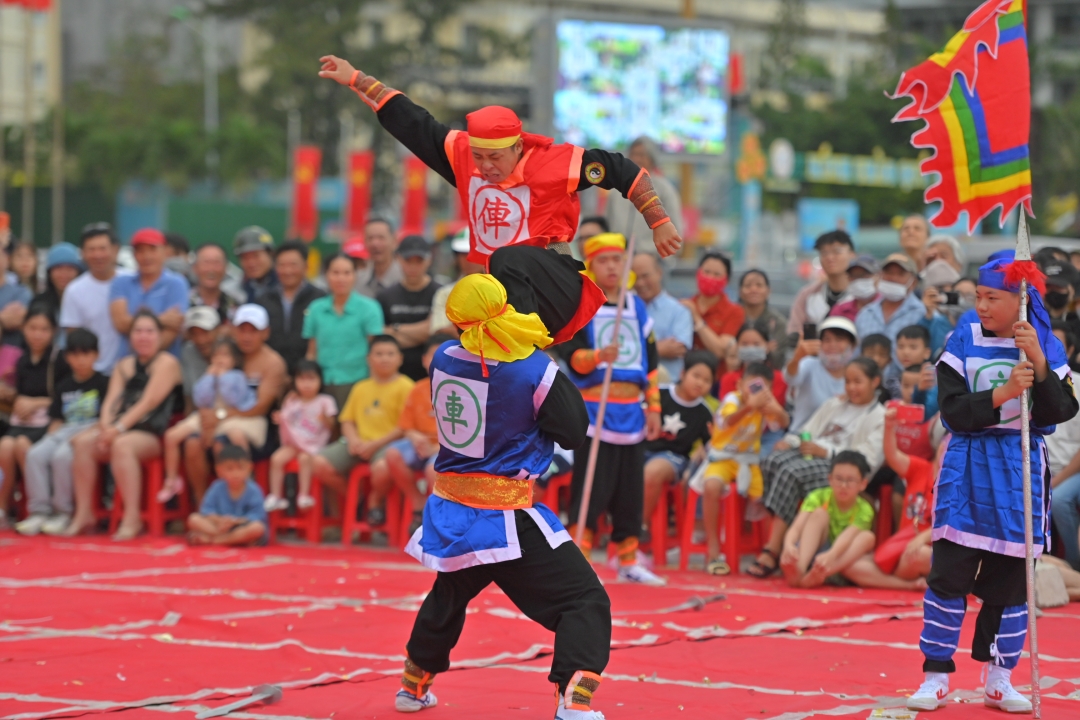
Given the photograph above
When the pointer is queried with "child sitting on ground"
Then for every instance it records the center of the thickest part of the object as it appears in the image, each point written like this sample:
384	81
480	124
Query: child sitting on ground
306	419
878	348
832	529
222	386
232	510
734	453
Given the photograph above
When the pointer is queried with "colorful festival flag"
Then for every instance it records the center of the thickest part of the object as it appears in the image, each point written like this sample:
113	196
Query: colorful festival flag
975	96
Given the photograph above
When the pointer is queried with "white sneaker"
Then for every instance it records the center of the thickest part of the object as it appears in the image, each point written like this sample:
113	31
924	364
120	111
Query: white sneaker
407	702
562	713
56	525
31	525
1001	695
931	694
305	502
273	503
638	573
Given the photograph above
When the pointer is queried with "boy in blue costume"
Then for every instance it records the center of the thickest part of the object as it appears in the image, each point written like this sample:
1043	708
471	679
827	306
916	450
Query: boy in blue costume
978	532
500	403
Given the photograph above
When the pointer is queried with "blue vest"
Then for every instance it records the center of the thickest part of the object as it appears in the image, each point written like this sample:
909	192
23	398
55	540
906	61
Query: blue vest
624	421
486	426
978	498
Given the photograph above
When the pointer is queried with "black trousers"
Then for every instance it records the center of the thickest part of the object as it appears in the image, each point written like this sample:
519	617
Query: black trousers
618	488
539	281
555	587
998	580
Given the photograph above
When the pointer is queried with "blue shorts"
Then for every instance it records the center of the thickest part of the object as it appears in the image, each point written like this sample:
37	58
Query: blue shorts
678	462
408	454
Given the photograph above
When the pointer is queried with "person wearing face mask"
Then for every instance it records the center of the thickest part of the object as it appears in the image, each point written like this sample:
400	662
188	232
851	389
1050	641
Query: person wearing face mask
897	307
945	260
716	319
1061	279
863	275
752	342
754	294
816	370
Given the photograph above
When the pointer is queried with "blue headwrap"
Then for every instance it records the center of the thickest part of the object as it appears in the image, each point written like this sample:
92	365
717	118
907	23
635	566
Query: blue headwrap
1004	273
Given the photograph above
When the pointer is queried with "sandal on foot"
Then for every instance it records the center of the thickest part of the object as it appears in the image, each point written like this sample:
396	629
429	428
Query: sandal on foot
760	571
170	489
718	566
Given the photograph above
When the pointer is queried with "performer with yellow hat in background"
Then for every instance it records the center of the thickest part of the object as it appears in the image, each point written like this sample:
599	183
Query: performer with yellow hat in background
618	486
520	193
500	403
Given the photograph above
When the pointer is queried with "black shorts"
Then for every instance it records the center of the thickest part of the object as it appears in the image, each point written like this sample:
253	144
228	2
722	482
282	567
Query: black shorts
33	434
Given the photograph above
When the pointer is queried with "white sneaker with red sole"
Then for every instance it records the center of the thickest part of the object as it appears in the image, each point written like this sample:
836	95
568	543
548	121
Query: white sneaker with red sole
931	694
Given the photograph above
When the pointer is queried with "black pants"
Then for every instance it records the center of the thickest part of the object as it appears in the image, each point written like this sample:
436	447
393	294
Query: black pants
618	488
999	581
539	281
555	587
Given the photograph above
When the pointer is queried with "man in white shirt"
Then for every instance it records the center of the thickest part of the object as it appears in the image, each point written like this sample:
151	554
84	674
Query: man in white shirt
86	300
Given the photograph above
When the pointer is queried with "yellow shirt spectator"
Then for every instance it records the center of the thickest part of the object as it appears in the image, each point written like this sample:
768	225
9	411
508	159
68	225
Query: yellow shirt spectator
376	406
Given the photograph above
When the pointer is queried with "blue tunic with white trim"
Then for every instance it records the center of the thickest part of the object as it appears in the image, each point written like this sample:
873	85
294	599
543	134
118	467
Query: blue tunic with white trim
486	426
978	499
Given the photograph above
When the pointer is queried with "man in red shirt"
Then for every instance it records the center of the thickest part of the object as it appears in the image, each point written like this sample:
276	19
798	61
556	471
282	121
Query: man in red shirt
520	192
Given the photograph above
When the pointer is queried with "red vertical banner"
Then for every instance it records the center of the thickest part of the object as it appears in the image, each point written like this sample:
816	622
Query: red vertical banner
305	212
415	200
361	165
736	74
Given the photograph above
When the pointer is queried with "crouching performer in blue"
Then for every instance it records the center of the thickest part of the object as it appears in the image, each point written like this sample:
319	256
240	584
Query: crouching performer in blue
500	404
978	535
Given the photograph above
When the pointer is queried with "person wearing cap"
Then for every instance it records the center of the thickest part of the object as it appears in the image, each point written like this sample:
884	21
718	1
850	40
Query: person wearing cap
407	305
356	248
254	247
623	218
521	190
1061	280
154	288
209	271
266	374
815	372
459	244
897	307
381	270
863	275
62	265
287	304
86	302
914	235
202	325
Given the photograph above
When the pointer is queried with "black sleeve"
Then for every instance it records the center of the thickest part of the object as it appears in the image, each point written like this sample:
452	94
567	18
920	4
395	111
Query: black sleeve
566	350
619	172
563	416
964	411
1054	400
56	407
385	301
414	128
652	356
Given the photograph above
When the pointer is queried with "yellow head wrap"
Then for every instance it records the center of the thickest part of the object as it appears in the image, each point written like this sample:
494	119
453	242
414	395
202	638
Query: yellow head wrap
492	328
602	243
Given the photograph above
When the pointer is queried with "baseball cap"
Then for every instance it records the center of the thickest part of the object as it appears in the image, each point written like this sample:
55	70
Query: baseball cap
1060	274
148	236
64	254
414	246
902	260
867	262
251	239
354	247
459	242
252	314
203	317
838	323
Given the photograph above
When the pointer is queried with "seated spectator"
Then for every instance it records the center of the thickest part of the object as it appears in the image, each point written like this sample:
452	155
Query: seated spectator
754	291
753	347
36	375
369	421
914	236
863	275
265	373
904	559
161	291
202	326
898	305
62	265
178	256
14	297
306	419
913	350
1074	258
287	304
673	325
416	451
686	419
459	244
86	305
801	462
383	271
406	306
878	348
208	272
1061	279
733	454
1063	451
24	263
9	359
232	512
832	530
716	319
134	416
339	328
254	250
221	389
814	302
75	406
816	370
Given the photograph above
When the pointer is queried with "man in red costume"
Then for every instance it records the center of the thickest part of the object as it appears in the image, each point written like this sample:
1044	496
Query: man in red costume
521	193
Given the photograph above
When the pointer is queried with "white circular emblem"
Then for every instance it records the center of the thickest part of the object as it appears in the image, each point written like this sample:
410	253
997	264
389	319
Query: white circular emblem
498	217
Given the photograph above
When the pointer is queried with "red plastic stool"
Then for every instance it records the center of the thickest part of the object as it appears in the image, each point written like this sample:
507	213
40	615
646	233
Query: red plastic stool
153	513
406	516
309	521
731	515
261	471
658	524
554	489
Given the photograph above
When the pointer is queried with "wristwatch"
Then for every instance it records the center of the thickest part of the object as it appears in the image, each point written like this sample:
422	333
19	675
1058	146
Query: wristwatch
221	413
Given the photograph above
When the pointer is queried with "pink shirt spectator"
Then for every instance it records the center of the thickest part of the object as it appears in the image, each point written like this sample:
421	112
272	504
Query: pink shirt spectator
9	355
849	308
301	422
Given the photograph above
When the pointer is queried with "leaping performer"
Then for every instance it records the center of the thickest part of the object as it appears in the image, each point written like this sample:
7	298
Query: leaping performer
520	190
500	403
